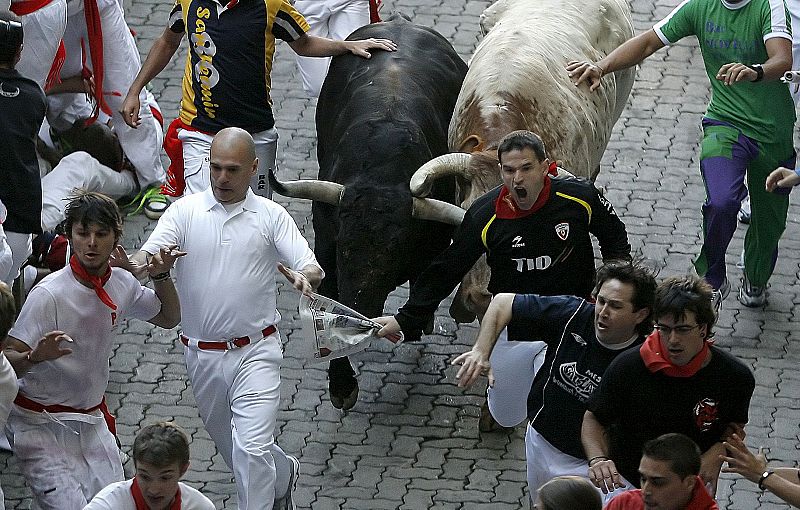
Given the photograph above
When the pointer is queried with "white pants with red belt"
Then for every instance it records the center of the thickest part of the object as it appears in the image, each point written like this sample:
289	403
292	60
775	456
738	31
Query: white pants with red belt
121	64
334	19
196	154
43	31
65	458
238	394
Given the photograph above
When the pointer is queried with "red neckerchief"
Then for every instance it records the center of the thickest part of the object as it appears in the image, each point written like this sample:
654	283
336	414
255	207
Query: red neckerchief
701	500
96	281
656	361
506	209
136	492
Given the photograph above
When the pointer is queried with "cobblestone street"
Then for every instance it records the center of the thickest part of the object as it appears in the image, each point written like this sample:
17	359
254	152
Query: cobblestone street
412	442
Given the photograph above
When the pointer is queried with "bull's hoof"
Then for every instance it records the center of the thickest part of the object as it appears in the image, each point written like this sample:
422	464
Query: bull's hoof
344	395
344	401
487	423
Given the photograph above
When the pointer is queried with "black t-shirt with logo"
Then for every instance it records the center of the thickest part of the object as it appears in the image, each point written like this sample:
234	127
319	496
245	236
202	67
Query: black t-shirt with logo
22	109
635	405
548	252
572	369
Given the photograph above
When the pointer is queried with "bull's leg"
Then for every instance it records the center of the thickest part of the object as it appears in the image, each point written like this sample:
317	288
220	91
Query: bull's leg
342	384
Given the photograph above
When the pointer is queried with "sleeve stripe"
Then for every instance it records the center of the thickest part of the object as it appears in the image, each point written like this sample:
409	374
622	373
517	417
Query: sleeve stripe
777	17
285	27
176	20
783	35
657	27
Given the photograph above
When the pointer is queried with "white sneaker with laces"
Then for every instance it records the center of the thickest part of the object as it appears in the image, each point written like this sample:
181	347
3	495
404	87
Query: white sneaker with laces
751	295
719	295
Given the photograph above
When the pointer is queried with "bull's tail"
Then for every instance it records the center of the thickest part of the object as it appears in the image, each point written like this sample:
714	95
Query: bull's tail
274	184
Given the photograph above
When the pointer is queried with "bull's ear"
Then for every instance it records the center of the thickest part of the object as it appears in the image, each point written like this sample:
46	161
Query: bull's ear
473	143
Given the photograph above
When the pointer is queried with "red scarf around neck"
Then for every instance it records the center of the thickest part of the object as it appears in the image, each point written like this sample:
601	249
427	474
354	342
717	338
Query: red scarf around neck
657	361
97	282
136	492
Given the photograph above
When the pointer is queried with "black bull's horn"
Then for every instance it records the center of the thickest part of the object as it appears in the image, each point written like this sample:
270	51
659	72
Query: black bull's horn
331	193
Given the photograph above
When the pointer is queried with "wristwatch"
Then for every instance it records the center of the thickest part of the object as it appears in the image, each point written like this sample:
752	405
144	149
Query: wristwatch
766	474
759	69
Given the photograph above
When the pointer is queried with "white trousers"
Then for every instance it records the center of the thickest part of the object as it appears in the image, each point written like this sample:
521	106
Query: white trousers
65	461
21	248
334	19
8	391
6	257
514	365
43	31
80	170
121	65
545	462
238	393
196	157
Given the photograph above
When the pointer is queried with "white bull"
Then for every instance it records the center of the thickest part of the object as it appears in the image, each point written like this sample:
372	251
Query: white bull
516	80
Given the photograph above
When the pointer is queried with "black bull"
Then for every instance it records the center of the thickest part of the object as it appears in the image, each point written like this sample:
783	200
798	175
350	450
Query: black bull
378	120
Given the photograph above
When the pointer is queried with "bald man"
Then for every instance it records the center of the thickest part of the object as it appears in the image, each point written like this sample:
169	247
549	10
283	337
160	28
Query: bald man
236	243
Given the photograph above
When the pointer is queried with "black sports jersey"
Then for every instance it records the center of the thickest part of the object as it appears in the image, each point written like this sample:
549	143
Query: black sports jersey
547	252
573	365
226	81
635	405
22	108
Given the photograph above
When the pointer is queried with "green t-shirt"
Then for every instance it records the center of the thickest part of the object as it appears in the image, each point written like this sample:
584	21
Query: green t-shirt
729	33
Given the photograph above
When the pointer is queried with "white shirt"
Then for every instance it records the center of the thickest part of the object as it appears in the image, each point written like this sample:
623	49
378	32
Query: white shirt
60	302
6	260
226	283
117	496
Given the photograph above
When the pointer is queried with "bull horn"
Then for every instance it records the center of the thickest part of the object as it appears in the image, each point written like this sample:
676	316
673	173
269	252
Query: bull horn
435	210
311	189
444	165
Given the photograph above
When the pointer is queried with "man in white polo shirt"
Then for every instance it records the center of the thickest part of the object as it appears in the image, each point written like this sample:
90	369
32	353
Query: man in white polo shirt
235	243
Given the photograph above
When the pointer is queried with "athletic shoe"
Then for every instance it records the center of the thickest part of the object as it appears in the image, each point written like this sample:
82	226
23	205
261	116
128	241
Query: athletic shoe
744	211
286	502
752	295
150	201
719	295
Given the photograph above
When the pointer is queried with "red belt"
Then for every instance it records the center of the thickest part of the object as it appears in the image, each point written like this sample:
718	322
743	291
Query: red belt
28	6
31	405
230	344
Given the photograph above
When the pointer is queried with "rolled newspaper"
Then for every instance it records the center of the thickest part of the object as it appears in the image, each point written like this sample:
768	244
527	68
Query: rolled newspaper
334	330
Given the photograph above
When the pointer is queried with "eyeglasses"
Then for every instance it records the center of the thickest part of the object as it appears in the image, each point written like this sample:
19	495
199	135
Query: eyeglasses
678	330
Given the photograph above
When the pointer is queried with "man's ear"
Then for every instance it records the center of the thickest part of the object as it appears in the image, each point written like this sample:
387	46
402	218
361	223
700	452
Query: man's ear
255	167
184	468
688	483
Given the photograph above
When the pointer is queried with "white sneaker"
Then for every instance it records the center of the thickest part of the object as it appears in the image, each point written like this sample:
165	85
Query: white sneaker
286	502
751	295
719	295
744	211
